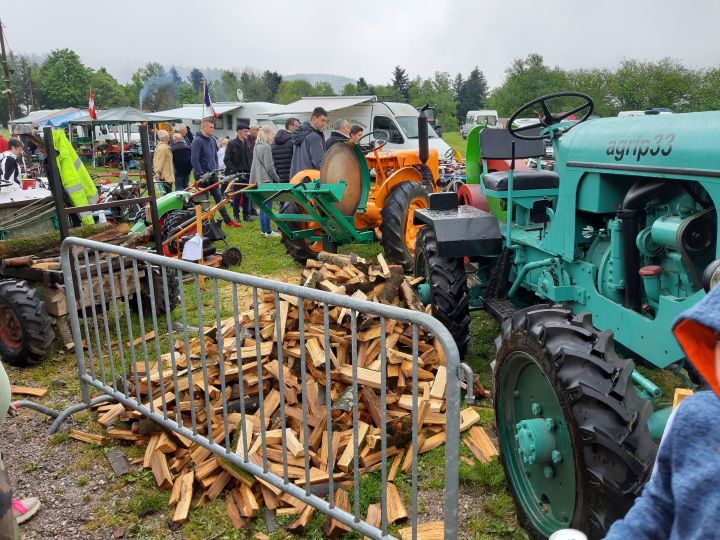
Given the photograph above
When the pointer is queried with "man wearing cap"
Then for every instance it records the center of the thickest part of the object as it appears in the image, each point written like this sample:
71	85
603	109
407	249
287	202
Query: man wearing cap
238	159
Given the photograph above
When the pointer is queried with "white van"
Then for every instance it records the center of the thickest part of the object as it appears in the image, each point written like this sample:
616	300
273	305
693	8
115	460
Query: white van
486	117
400	120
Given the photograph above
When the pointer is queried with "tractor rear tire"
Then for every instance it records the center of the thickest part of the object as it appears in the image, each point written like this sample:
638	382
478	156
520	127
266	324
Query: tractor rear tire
399	235
448	287
557	376
173	290
26	334
300	250
171	226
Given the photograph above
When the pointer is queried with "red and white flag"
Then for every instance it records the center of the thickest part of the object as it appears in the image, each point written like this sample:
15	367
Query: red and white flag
208	103
91	105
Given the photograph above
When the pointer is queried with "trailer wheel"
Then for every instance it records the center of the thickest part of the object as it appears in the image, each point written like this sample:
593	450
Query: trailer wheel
158	289
171	226
301	250
399	234
232	256
445	288
26	333
573	433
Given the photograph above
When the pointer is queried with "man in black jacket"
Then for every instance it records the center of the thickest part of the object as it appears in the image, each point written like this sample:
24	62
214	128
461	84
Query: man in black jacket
340	133
282	148
238	159
181	161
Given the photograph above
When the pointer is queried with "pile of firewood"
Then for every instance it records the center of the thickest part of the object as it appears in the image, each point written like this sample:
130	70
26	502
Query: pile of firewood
192	472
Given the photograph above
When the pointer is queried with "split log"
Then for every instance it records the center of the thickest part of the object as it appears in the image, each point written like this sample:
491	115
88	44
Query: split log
19	247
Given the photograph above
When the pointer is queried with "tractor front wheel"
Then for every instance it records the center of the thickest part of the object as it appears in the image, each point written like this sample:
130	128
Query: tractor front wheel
300	249
399	233
573	433
445	287
26	334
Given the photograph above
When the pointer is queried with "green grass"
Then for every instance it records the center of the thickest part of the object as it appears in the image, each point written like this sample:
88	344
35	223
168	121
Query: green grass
492	516
455	140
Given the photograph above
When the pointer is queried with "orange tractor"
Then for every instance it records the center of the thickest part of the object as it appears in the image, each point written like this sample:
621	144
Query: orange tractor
358	196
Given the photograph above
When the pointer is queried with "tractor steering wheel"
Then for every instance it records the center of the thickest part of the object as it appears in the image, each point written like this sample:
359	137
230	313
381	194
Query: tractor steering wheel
382	137
547	118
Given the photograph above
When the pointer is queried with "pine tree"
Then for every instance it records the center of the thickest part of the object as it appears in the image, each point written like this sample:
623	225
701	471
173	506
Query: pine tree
401	83
473	93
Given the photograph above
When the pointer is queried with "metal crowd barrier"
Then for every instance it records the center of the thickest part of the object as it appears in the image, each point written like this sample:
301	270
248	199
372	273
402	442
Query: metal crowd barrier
99	332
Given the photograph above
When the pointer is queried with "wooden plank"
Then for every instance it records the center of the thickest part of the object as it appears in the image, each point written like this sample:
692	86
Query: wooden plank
299	526
483	442
346	459
395	466
112	415
395	508
433	530
163	477
185	497
91	438
365	377
438	388
233	512
29	391
334	528
317	354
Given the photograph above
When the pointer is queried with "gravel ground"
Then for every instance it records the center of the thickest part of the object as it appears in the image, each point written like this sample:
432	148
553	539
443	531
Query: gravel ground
47	471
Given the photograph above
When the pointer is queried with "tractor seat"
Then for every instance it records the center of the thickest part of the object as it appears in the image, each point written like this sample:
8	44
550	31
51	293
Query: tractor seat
522	180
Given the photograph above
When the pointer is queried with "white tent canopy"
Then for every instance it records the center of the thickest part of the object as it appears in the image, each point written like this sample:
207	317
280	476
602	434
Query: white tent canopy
329	103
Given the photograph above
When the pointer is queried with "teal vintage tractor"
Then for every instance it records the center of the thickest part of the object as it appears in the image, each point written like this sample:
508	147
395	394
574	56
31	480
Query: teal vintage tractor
586	267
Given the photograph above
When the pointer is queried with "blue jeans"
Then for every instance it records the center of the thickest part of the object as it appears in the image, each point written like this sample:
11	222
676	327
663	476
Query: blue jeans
182	182
265	220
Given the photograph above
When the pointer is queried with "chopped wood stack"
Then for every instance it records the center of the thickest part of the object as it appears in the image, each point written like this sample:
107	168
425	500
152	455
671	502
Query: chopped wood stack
194	473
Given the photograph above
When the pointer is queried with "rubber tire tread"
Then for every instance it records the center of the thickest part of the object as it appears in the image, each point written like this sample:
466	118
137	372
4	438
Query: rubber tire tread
173	282
448	288
614	456
394	218
297	249
172	222
38	335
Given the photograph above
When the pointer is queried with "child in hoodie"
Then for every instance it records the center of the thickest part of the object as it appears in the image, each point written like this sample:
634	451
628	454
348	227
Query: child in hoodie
682	498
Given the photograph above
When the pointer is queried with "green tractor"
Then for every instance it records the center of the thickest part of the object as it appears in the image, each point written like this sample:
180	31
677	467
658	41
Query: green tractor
587	267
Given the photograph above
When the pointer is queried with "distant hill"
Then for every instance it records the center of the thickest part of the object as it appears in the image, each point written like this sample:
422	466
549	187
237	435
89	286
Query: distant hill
337	81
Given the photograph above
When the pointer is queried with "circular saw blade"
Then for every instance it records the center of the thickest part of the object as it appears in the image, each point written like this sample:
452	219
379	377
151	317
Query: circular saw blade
341	163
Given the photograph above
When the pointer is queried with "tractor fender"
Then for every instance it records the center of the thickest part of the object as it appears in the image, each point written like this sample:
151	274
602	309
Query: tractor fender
406	174
172	201
461	231
300	176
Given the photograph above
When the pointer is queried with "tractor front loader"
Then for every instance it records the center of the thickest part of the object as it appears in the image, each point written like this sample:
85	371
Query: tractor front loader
586	267
358	196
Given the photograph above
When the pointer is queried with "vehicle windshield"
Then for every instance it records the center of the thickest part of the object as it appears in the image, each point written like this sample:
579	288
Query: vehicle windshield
409	124
487	120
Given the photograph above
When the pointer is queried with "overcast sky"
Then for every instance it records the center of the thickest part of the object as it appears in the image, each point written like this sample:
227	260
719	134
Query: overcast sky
367	39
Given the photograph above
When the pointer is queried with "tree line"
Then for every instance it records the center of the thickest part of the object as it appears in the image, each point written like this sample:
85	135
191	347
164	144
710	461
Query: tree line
62	80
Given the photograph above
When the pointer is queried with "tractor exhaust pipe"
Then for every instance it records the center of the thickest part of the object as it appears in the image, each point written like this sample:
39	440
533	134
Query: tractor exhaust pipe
423	135
424	149
641	193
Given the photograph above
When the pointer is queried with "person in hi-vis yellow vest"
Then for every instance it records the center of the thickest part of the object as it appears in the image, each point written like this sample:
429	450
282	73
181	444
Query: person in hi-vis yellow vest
75	178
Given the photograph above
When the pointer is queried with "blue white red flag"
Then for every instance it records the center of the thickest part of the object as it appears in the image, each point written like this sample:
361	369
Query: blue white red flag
208	102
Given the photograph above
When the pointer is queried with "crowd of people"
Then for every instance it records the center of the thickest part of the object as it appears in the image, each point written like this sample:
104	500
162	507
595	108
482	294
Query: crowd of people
256	155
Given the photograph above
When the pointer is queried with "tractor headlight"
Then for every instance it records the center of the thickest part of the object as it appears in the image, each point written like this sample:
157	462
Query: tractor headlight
711	275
